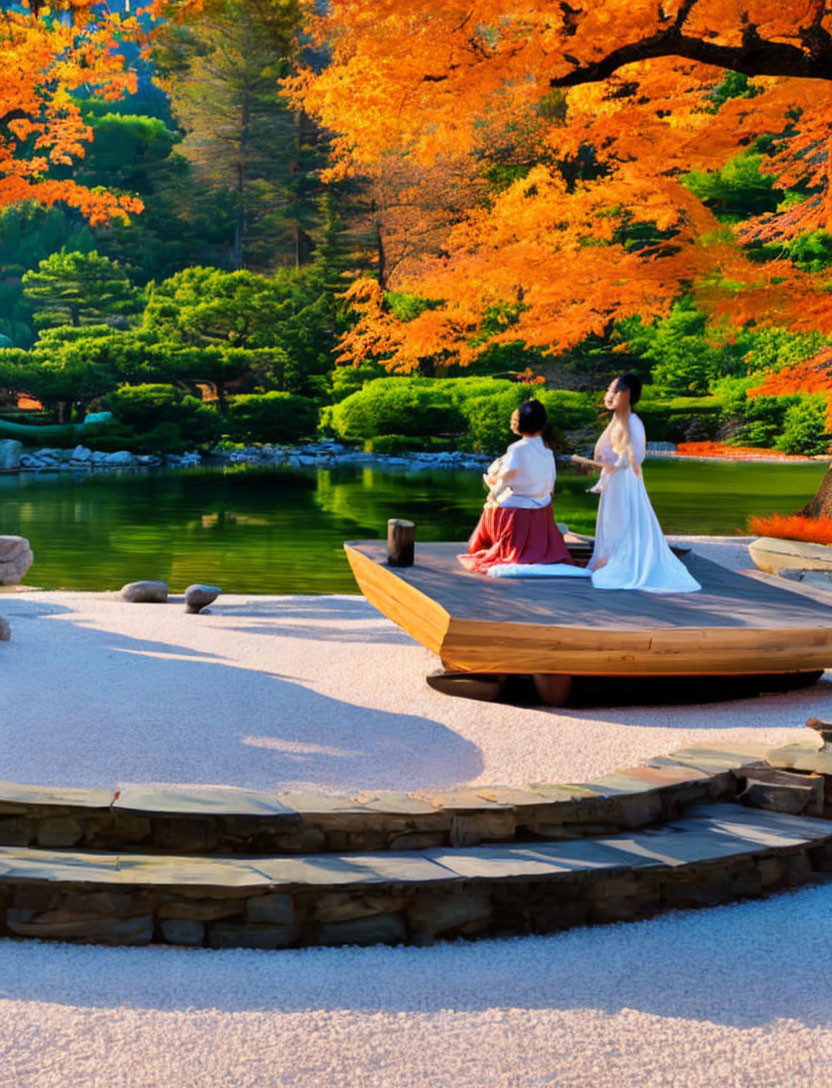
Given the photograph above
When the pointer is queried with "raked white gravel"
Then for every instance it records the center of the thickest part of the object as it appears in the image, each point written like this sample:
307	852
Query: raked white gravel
272	693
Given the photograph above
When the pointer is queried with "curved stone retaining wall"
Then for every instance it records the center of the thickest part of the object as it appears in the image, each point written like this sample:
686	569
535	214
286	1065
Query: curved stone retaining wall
231	868
722	853
215	820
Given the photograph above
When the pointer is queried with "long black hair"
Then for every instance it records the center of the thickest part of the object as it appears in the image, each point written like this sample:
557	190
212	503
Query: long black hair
632	384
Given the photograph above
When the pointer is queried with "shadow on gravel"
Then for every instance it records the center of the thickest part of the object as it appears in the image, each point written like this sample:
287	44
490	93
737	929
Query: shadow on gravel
102	708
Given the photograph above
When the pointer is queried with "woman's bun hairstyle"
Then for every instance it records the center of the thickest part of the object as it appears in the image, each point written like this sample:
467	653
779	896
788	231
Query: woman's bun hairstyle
531	417
632	383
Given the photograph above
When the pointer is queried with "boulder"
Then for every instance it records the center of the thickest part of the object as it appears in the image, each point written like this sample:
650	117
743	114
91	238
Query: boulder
774	555
200	596
10	451
5	630
145	592
121	457
15	559
81	454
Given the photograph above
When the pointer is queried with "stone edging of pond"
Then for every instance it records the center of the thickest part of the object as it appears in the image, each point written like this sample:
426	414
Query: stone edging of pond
81	459
567	869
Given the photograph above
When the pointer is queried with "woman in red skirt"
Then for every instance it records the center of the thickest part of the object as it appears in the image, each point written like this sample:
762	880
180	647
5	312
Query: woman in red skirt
517	524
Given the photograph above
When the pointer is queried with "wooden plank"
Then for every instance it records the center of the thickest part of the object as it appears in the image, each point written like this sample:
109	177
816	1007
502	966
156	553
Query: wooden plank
705	638
528	659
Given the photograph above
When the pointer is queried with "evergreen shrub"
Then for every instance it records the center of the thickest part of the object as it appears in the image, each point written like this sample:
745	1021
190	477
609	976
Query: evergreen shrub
681	419
471	412
804	426
395	444
420	407
162	417
271	417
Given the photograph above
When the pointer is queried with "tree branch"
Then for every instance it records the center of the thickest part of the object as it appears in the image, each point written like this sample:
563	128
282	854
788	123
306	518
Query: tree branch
8	117
754	57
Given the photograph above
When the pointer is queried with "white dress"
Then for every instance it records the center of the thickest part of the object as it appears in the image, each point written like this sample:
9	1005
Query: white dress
630	549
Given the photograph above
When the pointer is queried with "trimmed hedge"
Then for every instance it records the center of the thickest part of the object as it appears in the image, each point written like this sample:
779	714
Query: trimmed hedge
471	413
157	417
417	407
681	419
271	417
394	444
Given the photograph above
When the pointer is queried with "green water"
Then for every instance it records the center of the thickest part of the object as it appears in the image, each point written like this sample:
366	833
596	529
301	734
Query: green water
249	530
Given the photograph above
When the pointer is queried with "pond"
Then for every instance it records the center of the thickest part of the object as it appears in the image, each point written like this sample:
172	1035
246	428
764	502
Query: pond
280	531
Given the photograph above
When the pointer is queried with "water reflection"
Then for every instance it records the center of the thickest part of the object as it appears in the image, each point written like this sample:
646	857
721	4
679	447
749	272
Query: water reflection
281	531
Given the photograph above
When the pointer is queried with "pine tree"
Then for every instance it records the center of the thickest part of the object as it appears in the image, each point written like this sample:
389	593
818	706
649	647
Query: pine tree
78	289
241	134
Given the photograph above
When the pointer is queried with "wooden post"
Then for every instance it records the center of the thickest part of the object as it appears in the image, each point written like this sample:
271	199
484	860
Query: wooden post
400	546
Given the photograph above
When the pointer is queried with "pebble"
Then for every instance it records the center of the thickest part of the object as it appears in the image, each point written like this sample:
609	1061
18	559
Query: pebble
145	592
199	596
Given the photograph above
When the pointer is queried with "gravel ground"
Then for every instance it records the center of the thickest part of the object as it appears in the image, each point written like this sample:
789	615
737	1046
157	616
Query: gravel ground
97	692
303	692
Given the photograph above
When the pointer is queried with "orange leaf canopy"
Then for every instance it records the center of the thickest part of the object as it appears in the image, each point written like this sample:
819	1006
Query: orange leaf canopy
47	57
616	104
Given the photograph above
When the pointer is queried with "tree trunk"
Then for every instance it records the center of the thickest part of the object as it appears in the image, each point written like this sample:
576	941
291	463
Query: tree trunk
242	182
821	505
381	274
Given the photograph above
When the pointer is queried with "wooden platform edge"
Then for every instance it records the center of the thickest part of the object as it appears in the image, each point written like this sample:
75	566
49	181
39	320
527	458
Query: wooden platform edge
472	646
519	648
408	607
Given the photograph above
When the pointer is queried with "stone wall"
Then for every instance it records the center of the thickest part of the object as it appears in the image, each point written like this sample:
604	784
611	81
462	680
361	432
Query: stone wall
415	898
233	868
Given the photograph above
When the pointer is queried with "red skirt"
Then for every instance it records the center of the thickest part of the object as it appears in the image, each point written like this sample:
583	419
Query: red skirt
515	535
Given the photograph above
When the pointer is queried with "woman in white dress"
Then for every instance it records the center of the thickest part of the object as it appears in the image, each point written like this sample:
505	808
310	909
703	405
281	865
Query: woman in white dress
630	549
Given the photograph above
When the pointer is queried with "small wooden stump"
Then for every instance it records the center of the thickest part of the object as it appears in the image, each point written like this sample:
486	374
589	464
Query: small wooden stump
400	542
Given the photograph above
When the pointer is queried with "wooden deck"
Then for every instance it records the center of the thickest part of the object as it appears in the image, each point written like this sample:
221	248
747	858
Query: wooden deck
739	624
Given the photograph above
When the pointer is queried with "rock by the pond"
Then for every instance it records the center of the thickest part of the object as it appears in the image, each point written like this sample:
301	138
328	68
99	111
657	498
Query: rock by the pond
5	630
10	451
15	559
199	596
773	555
145	592
121	457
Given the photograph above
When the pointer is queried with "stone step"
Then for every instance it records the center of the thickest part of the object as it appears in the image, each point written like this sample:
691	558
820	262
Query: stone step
204	820
716	853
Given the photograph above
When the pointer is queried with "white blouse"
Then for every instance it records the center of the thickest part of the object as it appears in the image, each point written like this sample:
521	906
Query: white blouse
524	477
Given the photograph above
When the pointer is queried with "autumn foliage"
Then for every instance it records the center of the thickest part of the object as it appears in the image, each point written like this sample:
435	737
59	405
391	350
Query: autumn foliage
732	453
811	376
618	100
794	527
48	56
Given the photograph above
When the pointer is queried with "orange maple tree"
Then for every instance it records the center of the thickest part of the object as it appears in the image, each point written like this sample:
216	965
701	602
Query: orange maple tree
49	56
632	86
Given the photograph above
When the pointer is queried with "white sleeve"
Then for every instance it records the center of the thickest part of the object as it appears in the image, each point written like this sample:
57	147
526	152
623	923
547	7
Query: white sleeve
512	461
638	439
